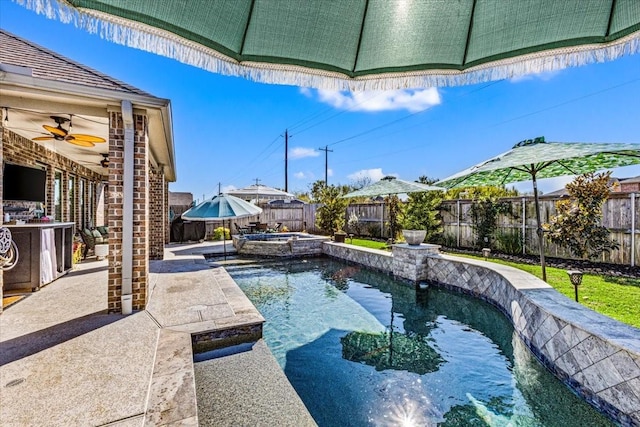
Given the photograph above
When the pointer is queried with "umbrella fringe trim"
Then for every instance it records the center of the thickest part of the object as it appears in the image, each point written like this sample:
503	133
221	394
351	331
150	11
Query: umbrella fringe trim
161	42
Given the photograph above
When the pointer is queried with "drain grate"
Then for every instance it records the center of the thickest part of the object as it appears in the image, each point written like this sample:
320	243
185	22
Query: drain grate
15	382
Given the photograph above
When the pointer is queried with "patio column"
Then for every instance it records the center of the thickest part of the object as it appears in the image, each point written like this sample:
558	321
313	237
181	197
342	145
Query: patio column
128	208
1	200
157	213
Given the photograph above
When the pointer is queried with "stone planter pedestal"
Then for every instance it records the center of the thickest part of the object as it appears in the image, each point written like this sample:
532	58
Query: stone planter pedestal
410	261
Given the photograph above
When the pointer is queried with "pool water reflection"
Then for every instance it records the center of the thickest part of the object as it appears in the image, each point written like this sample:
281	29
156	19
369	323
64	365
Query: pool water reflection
363	349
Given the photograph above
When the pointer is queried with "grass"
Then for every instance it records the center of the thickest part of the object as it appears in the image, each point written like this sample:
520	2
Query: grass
372	244
616	297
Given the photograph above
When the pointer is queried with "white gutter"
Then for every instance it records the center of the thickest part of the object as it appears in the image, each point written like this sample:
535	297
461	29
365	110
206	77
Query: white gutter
127	206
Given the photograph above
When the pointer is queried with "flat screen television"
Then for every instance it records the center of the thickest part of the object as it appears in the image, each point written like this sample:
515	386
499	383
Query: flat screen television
23	183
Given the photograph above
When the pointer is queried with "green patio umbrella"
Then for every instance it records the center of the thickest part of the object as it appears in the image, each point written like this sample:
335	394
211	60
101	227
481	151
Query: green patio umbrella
535	158
391	185
220	208
365	44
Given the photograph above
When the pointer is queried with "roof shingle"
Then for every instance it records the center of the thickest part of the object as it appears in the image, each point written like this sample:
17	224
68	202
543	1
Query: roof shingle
49	65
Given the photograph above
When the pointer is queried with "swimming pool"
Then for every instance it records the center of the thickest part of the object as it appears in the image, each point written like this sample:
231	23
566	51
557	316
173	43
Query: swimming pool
363	349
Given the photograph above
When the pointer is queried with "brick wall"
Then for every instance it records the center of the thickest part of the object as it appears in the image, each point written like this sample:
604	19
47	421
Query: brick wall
1	203
22	151
140	261
157	213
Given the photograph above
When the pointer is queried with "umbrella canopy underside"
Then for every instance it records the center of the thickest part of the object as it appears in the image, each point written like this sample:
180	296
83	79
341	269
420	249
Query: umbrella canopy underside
364	44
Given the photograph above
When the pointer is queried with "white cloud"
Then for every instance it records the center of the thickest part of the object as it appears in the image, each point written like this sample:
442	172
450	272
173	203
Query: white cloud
299	175
329	172
545	76
373	174
302	152
405	99
306	92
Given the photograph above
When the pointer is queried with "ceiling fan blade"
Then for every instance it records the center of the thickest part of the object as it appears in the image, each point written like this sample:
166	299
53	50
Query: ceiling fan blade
88	138
79	142
42	138
55	130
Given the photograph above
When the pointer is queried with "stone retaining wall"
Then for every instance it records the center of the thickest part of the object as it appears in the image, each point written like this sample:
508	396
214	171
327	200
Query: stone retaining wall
596	356
372	258
289	245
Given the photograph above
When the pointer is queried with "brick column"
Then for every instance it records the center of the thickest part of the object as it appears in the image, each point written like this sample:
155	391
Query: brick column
1	201
157	214
140	212
167	223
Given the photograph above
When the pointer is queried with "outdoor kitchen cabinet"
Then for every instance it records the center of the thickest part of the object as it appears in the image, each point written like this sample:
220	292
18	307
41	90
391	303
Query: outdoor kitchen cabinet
45	253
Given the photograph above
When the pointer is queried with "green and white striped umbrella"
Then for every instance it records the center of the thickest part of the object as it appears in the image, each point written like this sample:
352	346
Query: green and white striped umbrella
365	44
532	159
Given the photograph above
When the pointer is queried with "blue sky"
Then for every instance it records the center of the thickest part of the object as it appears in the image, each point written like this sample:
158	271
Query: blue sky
230	130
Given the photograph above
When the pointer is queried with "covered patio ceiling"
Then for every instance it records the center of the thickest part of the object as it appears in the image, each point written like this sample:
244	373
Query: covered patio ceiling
28	123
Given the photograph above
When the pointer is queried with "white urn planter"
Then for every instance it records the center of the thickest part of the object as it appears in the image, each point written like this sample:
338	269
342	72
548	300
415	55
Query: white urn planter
414	237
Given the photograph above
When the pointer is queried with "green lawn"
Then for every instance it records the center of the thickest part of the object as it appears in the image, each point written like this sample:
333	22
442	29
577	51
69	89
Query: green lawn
367	243
615	297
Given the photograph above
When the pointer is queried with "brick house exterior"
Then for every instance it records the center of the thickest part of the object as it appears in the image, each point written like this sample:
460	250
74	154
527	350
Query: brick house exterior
38	85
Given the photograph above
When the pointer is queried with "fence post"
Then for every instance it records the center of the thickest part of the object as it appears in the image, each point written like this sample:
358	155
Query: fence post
524	226
458	225
633	229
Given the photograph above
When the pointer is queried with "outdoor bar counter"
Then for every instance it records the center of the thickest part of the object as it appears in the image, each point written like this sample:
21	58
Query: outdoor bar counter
45	253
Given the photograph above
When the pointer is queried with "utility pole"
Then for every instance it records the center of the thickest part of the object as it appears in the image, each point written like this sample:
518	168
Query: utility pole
326	162
286	160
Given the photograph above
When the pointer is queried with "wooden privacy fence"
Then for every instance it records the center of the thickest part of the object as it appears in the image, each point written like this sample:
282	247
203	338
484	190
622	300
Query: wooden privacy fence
621	215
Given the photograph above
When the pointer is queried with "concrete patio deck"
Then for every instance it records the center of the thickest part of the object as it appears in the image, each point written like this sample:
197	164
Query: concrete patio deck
64	361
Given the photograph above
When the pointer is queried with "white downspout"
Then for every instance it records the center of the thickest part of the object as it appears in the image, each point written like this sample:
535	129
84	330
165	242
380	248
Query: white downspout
127	207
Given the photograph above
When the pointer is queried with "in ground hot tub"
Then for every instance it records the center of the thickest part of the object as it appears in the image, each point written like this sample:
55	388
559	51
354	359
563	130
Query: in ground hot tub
279	244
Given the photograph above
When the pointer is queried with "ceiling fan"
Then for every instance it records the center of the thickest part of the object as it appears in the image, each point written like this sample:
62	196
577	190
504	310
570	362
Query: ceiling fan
105	161
58	133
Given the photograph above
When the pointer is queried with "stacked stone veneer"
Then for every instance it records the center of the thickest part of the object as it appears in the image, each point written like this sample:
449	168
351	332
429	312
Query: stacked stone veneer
596	356
289	245
372	258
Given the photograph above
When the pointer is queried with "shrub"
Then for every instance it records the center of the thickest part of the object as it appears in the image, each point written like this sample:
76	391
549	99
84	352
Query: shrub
509	241
217	233
577	224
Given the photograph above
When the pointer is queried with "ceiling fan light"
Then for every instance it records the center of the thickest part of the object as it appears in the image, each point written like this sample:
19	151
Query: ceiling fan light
5	122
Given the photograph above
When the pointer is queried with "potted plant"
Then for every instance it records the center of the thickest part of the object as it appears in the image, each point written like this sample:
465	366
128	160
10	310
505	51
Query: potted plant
414	237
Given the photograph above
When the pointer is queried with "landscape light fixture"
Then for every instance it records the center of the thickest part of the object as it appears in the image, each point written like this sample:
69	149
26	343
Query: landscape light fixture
576	280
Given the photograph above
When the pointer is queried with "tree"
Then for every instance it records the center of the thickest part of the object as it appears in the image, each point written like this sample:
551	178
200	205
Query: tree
330	217
577	224
395	214
422	210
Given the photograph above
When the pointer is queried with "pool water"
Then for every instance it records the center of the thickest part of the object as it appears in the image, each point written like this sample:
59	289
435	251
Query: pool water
361	348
